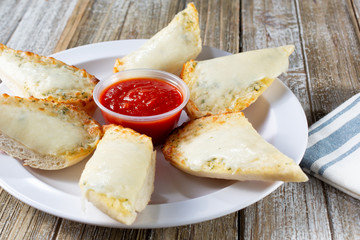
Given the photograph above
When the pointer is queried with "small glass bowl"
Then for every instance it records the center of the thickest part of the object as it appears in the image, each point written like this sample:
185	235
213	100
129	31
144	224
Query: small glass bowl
158	126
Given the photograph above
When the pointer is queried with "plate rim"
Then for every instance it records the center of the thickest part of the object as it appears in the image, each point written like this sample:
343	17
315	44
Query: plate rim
272	186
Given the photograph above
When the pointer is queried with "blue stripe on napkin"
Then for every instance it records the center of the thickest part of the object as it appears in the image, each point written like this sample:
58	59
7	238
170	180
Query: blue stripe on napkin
325	166
334	141
328	136
326	123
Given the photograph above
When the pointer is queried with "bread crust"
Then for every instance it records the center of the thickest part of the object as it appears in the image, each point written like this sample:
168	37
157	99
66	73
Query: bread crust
66	113
243	99
274	166
188	21
237	94
81	98
112	198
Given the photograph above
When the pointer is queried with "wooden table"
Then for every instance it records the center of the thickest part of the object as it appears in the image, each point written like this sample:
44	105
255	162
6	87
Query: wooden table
324	72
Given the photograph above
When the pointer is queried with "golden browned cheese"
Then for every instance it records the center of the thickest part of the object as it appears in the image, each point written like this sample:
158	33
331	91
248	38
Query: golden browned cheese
30	75
119	177
231	83
170	48
226	146
46	135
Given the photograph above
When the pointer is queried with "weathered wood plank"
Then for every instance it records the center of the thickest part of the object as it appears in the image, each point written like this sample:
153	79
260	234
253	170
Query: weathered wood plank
294	211
72	24
324	71
344	213
219	23
220	228
285	215
20	221
331	45
37	25
10	15
270	24
128	24
114	20
356	6
31	26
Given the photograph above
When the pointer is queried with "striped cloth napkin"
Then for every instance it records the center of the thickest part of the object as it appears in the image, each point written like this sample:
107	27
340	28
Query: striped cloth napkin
333	150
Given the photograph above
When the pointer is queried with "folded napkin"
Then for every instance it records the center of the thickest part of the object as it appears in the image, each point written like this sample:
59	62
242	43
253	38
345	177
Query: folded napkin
333	150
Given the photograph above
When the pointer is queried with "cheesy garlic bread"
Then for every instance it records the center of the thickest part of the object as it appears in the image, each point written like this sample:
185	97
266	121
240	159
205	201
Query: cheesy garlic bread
231	83
30	75
46	135
226	146
170	48
119	177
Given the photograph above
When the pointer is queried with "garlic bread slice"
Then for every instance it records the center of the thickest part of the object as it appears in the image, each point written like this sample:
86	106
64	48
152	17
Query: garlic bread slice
119	177
231	83
226	146
30	75
46	135
170	48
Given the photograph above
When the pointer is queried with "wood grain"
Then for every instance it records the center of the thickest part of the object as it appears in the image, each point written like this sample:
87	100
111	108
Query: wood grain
10	15
29	26
33	26
285	215
331	43
356	11
271	24
133	26
324	72
219	23
114	20
20	221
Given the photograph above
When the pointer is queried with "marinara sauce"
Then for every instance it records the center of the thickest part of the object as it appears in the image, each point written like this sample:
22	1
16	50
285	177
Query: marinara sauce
143	97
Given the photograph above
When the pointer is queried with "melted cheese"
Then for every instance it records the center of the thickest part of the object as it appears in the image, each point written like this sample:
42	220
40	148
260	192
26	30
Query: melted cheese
220	79
118	168
233	145
169	49
33	78
39	131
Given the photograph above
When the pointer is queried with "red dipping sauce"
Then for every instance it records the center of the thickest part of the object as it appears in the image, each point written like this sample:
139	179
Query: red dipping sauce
148	101
141	97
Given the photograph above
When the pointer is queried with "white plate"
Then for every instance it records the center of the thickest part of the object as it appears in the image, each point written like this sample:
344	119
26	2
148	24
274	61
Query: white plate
178	198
